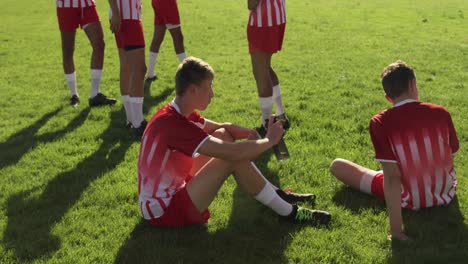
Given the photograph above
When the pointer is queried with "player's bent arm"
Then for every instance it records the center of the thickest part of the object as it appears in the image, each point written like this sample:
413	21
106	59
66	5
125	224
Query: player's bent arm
238	132
252	4
392	191
245	150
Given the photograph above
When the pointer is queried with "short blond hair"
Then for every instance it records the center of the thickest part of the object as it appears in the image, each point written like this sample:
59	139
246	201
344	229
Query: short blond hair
396	78
192	71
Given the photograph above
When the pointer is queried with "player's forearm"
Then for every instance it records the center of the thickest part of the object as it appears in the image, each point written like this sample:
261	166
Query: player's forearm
113	6
250	149
392	190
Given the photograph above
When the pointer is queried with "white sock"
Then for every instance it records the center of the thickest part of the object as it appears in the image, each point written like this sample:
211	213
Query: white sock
136	104
265	107
153	57
95	81
261	174
277	100
181	56
270	198
71	81
366	181
127	107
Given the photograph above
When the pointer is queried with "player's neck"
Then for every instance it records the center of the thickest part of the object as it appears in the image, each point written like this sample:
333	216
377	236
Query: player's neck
184	106
402	98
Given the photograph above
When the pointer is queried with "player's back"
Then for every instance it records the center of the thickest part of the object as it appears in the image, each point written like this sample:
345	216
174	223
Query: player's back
422	139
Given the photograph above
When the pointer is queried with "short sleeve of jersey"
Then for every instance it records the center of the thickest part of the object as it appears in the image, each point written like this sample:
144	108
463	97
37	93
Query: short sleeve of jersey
197	119
380	140
453	139
186	136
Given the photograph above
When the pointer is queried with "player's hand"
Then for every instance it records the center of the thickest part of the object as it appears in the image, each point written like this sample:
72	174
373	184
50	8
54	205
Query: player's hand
400	236
115	22
275	130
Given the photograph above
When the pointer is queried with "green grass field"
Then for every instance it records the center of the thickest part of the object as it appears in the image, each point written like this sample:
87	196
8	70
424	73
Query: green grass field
68	182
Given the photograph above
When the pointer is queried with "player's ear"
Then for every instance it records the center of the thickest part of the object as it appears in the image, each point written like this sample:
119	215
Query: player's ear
192	88
389	99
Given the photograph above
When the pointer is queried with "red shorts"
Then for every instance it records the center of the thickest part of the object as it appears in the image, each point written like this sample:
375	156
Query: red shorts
71	18
265	39
377	186
181	212
131	34
166	12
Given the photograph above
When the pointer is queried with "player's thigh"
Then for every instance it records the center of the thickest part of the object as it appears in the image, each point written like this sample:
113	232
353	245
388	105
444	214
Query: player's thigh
68	40
94	32
206	183
175	30
136	59
349	172
260	66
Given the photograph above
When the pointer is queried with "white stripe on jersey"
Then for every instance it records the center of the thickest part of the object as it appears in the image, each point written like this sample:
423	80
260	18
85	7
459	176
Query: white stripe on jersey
277	12
438	185
283	12
448	186
441	145
268	13
428	146
163	164
151	153
415	192
414	152
129	9
401	155
268	6
74	3
427	190
259	15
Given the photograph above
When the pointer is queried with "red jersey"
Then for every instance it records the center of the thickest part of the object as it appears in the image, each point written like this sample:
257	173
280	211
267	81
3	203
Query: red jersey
421	138
268	13
74	3
129	9
169	144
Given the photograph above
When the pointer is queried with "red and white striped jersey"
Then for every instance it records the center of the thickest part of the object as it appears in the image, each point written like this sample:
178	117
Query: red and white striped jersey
268	13
169	144
74	3
129	9
421	138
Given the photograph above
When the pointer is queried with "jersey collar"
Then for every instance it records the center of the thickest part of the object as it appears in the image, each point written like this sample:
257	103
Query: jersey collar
406	101
176	107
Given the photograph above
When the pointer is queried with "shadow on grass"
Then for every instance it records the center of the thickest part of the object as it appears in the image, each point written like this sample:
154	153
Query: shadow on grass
440	236
355	201
26	139
253	234
32	214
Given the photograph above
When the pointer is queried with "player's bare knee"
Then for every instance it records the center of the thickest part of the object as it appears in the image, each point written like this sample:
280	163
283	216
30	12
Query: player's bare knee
337	166
98	45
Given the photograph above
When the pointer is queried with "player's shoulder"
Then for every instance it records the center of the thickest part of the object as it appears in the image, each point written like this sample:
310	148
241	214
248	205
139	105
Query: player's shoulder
379	117
433	107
